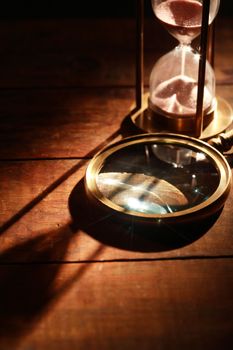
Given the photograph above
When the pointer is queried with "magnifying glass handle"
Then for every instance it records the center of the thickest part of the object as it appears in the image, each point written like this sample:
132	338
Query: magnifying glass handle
223	142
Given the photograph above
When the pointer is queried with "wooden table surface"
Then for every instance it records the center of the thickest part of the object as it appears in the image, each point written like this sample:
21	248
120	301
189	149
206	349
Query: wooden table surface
68	279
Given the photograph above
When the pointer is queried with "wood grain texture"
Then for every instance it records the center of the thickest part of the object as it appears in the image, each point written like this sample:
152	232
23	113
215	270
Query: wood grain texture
72	277
46	216
90	53
146	305
60	123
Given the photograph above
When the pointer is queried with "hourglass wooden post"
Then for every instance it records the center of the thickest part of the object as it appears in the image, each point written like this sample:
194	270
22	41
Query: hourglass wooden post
202	68
139	53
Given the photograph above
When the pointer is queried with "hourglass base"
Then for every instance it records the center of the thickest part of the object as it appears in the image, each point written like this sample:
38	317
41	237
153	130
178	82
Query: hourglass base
217	121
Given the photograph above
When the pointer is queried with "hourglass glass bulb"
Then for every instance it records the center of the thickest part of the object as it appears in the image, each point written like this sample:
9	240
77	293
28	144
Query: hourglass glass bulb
182	18
173	84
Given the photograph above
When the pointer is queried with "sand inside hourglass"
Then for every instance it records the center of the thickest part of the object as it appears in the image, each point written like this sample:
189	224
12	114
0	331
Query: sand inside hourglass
178	95
182	18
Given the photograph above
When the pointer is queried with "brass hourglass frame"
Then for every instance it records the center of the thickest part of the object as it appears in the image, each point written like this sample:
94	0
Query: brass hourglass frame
222	116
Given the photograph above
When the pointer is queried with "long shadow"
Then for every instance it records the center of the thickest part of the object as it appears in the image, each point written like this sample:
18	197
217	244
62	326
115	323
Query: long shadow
124	232
127	234
229	158
124	130
29	271
27	290
55	184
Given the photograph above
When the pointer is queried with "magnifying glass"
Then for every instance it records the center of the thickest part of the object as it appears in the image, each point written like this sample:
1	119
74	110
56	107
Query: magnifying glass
159	178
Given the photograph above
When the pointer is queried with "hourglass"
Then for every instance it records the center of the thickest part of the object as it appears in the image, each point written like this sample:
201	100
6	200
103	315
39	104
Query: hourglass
174	78
175	103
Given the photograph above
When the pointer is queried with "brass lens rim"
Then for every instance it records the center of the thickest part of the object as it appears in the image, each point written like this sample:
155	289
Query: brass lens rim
211	205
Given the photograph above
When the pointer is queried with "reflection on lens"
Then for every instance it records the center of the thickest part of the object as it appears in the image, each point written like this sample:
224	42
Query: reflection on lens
141	193
157	178
177	156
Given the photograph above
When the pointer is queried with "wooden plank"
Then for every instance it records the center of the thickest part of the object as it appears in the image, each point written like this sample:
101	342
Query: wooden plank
88	68
84	68
65	54
46	216
146	305
59	35
69	35
60	123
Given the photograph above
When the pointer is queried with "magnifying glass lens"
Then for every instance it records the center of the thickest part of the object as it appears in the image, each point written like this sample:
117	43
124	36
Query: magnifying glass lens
157	178
160	176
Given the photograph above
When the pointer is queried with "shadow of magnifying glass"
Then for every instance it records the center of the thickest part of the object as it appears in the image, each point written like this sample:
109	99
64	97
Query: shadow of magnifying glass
109	228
